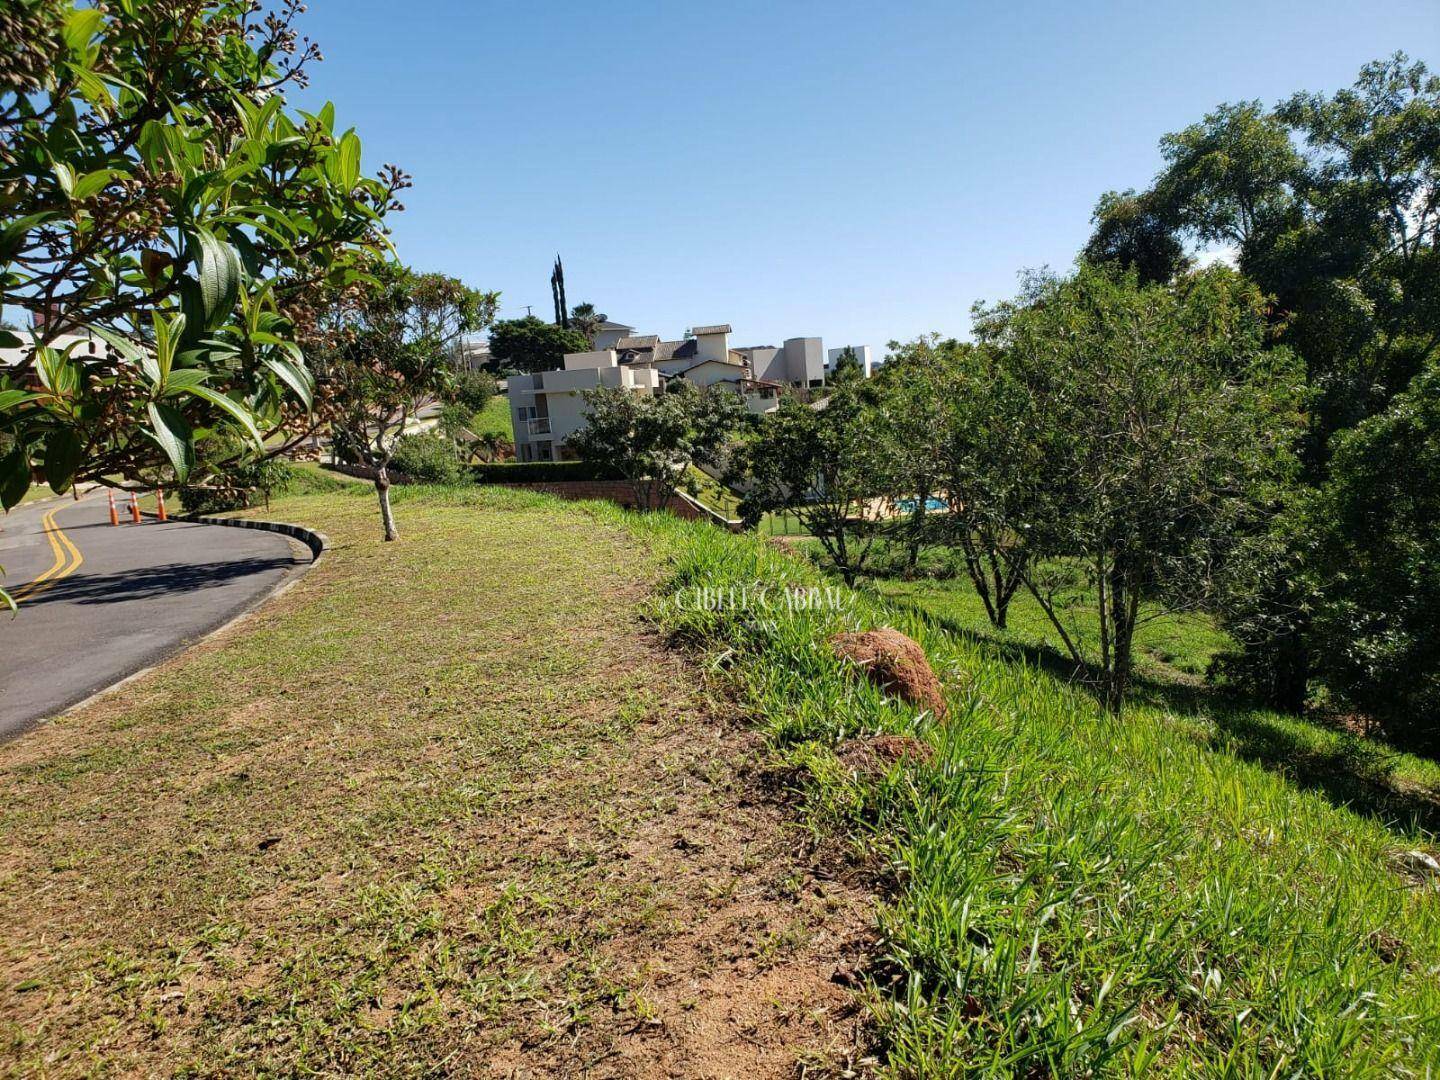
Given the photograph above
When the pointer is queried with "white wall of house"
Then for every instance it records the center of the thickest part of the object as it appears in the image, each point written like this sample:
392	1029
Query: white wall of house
596	359
80	343
548	407
805	361
712	347
610	333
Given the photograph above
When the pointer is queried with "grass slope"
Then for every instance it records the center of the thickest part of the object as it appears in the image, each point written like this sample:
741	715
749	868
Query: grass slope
494	418
1071	893
444	807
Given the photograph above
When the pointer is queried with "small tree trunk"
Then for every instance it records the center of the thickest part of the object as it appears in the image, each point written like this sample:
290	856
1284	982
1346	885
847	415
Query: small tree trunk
1124	608
387	516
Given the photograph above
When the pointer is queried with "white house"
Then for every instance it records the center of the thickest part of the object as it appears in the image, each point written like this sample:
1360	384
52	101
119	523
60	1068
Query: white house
549	406
546	408
80	342
799	362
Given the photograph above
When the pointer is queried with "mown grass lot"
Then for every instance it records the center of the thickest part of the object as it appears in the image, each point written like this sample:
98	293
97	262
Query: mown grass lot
1073	893
446	807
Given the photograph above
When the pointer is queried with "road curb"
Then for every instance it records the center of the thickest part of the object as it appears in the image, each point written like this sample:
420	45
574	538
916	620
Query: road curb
316	541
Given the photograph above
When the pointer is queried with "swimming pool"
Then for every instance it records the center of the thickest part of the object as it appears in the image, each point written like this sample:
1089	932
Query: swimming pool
909	506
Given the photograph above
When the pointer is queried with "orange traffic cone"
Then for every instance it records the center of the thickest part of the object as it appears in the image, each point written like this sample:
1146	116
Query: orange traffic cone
134	509
114	514
160	505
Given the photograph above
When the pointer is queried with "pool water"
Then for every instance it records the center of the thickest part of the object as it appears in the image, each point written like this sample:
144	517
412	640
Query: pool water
908	506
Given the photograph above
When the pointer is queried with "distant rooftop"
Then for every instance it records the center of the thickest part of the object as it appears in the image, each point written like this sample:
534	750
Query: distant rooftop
719	328
642	341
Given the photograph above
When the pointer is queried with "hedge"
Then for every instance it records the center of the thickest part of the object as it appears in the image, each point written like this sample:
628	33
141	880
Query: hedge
540	472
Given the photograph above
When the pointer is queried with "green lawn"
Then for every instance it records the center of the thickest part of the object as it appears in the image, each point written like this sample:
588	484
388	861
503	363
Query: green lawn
718	497
439	809
494	419
447	807
1168	646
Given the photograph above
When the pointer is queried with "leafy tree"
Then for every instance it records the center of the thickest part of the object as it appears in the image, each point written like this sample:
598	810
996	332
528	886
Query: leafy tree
159	192
1230	179
1379	561
911	394
847	367
987	475
530	344
473	389
827	464
1332	205
1151	423
1135	232
428	457
653	439
381	359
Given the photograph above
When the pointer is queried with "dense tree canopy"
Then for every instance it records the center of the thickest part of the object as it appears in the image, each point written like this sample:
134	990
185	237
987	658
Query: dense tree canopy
1151	423
531	344
1331	206
156	189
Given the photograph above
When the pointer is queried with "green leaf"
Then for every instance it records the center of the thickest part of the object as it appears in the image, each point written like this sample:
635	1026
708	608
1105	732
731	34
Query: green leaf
12	236
80	26
92	87
217	269
294	375
7	601
234	408
62	458
139	357
174	436
93	183
168	334
347	160
14	477
66	176
10	398
183	380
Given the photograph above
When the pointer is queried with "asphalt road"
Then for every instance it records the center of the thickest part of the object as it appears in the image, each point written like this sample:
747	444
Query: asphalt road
99	602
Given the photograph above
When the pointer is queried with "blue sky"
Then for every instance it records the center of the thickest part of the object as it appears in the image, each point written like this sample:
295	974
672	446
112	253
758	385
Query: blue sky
858	171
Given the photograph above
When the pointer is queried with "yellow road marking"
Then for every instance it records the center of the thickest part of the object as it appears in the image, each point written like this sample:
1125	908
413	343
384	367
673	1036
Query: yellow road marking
67	559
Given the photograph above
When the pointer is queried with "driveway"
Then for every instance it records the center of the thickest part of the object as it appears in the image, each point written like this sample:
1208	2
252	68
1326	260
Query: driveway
99	602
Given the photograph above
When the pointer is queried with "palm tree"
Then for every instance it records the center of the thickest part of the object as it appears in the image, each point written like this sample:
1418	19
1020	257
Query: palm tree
587	320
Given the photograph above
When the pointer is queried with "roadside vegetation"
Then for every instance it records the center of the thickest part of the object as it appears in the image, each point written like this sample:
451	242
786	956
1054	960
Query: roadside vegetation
1070	892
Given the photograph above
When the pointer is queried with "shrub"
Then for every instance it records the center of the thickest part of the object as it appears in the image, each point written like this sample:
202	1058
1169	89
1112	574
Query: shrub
533	472
427	458
239	488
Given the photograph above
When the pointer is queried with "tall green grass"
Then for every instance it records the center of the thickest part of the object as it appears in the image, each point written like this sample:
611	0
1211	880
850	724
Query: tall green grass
1070	893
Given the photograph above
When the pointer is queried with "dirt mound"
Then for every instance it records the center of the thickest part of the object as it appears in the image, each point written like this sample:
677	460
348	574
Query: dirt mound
895	663
875	756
